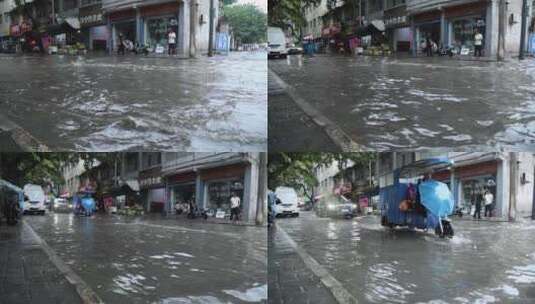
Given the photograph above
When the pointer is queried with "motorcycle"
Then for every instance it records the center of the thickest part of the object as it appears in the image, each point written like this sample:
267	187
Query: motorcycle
197	212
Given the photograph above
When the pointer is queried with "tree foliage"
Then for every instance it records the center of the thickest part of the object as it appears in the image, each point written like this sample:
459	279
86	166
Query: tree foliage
297	169
248	23
44	168
289	13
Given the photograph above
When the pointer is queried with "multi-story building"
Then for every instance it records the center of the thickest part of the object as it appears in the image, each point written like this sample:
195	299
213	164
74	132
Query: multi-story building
6	6
454	22
149	21
476	171
314	20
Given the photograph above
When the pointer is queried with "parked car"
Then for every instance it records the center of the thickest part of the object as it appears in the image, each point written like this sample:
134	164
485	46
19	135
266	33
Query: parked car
61	204
34	201
336	206
276	43
286	202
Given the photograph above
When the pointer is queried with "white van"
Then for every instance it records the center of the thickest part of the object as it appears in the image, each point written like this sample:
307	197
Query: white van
34	199
286	202
276	43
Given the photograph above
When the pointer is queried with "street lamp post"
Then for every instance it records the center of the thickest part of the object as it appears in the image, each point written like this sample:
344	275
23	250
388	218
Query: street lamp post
521	54
211	31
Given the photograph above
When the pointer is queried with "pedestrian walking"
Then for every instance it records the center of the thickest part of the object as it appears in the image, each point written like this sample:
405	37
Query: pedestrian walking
429	47
478	43
235	207
120	49
478	200
489	199
171	40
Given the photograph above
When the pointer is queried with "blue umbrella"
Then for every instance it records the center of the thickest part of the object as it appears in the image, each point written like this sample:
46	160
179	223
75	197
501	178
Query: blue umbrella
437	198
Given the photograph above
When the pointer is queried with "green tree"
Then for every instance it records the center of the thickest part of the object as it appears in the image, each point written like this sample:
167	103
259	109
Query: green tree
297	169
247	22
289	14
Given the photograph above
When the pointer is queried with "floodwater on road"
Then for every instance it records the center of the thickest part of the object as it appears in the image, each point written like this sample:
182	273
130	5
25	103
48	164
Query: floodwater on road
118	103
400	103
157	261
485	262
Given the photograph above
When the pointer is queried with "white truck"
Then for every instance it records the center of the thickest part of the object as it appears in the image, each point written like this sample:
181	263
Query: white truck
276	43
286	203
34	199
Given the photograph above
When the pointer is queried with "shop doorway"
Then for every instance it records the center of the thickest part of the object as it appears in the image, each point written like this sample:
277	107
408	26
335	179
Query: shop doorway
431	30
220	192
127	29
182	194
157	30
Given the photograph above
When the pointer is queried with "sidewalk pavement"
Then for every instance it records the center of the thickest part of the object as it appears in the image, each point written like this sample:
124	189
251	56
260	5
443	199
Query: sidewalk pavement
289	127
289	279
27	275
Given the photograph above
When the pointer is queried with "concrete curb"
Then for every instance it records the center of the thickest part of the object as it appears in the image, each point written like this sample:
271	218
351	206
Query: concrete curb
339	292
335	133
87	294
20	137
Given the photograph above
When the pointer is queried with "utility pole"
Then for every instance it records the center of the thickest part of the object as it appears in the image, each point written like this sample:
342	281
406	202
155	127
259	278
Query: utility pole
211	31
193	29
261	207
513	184
501	29
521	54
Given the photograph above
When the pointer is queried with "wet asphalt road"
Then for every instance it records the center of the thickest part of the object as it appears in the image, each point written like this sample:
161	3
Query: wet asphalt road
401	103
483	263
110	103
125	260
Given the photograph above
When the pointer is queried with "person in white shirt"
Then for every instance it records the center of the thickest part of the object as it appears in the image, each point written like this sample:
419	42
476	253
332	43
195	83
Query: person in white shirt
489	199
478	43
235	207
171	40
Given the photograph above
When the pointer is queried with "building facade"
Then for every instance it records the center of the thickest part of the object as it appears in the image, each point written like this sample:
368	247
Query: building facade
209	179
148	22
454	22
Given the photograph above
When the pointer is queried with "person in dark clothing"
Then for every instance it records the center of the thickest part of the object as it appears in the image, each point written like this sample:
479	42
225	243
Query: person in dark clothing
478	201
429	48
121	49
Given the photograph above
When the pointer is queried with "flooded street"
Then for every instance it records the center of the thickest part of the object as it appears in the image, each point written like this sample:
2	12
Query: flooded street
485	262
418	103
112	103
126	260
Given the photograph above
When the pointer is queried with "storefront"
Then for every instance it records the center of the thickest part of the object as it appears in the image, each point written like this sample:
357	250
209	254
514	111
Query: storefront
158	22
462	24
452	26
95	33
398	31
220	184
181	189
471	179
122	23
152	190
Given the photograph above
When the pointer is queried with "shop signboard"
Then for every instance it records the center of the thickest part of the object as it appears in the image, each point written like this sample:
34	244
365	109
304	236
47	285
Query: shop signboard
91	16
151	178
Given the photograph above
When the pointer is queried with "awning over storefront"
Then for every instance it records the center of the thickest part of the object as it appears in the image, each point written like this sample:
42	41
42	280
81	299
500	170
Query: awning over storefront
69	25
374	27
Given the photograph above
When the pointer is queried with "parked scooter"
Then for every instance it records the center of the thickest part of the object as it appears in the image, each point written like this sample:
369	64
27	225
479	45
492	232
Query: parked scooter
141	49
197	212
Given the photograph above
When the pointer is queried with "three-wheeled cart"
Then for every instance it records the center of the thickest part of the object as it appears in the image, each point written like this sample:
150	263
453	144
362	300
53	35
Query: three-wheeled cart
84	203
415	200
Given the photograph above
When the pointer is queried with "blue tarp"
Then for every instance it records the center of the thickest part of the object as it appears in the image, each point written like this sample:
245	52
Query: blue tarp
389	199
437	198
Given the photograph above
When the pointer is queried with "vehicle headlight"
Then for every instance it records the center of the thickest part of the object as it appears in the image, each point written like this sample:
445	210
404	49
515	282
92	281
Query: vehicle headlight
330	207
354	206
